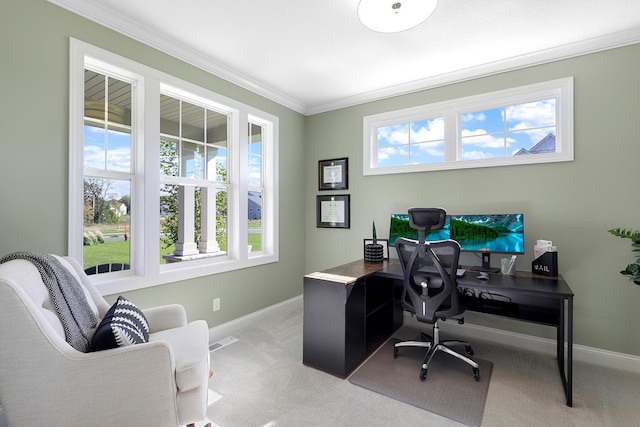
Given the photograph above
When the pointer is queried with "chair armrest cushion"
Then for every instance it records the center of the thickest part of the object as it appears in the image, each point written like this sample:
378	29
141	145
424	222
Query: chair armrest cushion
165	317
190	346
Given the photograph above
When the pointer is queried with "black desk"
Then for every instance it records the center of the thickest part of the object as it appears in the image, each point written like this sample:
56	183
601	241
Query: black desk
350	310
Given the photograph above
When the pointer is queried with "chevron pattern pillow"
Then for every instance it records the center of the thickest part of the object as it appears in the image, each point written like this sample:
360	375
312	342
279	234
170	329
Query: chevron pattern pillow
123	325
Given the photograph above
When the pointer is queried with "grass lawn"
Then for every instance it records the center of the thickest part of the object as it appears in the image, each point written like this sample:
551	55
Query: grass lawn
118	251
106	253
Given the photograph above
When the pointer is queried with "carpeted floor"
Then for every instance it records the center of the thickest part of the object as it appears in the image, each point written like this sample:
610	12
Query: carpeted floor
261	381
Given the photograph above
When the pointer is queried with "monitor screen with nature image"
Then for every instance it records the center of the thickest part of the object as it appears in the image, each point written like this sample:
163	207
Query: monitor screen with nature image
500	233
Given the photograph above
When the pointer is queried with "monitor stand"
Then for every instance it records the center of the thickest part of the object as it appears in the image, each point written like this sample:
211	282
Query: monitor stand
486	264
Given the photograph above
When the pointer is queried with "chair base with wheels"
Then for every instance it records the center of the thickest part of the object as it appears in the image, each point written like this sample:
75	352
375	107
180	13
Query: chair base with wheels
433	345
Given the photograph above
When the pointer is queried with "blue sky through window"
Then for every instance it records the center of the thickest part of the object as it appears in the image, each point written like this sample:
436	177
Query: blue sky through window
505	131
116	145
112	153
417	142
491	133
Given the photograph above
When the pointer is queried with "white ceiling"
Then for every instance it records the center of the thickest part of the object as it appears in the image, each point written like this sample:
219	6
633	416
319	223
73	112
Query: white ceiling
314	55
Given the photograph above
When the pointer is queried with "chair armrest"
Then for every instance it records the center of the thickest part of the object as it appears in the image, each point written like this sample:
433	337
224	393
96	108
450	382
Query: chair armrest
126	386
165	317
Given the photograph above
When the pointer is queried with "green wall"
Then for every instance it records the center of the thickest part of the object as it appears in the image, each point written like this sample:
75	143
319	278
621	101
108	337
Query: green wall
573	204
34	117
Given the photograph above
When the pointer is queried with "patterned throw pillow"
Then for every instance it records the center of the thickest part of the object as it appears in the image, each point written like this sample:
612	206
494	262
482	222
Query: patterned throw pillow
123	325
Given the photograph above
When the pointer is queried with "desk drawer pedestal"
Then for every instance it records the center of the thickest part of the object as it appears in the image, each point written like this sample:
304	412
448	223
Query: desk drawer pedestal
344	323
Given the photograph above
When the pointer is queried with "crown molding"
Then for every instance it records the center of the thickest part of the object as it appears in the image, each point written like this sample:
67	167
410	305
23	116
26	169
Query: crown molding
584	47
95	12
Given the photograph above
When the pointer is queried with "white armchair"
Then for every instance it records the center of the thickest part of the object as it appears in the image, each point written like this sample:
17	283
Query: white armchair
44	381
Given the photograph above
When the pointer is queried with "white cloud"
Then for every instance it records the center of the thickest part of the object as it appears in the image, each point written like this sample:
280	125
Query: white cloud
399	134
394	135
432	148
474	155
533	114
536	135
481	138
433	131
94	156
467	117
119	160
390	152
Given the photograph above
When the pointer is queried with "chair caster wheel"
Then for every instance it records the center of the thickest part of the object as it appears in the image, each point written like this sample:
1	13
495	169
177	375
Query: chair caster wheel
468	350
476	374
395	352
423	374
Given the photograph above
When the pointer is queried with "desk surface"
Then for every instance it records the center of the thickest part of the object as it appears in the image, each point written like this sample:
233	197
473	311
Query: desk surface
360	268
522	282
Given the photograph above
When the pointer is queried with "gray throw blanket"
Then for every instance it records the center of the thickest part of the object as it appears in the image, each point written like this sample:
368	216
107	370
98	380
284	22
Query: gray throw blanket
68	298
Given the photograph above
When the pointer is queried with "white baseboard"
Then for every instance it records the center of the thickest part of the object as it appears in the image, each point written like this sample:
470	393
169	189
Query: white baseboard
581	353
229	328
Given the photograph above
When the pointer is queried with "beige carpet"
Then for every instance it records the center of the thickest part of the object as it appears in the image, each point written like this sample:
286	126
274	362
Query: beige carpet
261	381
450	389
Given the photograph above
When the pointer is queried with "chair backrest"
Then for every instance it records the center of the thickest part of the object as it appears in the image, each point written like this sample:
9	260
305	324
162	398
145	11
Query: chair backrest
430	283
26	280
426	219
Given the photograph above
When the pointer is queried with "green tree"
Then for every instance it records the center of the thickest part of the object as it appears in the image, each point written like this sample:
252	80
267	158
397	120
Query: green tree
97	193
169	194
221	208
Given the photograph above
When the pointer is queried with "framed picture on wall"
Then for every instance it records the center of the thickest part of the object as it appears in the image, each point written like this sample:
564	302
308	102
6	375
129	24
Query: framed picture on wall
333	174
333	211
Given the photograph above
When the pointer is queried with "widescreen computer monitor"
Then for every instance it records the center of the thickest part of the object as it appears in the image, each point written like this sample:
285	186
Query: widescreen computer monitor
484	233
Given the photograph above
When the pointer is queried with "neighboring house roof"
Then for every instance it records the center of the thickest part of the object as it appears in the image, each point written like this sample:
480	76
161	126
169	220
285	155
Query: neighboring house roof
255	205
545	145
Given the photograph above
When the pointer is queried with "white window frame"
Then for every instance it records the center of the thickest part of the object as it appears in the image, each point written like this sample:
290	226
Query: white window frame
145	269
561	90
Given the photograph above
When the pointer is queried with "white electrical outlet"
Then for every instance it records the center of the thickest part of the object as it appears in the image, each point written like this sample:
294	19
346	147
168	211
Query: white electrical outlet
216	304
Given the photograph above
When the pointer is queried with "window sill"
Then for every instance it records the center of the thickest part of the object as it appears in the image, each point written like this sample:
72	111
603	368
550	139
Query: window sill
127	281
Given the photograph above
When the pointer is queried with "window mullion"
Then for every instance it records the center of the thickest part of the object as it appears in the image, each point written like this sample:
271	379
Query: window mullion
242	182
452	131
146	189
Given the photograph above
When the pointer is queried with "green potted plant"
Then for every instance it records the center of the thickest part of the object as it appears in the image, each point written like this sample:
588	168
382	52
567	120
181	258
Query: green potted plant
374	252
632	270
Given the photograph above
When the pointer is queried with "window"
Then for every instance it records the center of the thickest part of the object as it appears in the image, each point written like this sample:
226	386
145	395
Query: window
168	180
529	124
108	170
256	133
194	179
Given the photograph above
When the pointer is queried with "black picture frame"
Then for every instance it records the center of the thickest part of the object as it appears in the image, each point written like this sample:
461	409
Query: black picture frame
383	242
333	211
333	174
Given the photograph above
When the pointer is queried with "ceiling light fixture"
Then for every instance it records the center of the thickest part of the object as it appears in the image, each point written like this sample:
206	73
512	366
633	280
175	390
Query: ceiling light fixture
393	16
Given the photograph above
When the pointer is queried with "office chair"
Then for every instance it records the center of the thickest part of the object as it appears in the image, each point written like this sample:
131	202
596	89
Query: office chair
430	287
